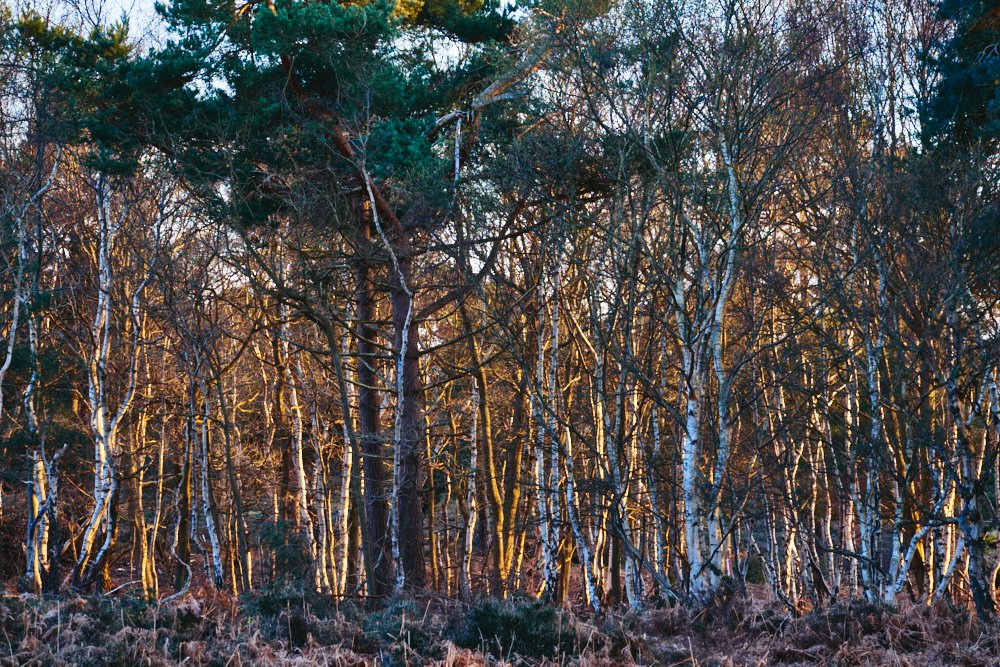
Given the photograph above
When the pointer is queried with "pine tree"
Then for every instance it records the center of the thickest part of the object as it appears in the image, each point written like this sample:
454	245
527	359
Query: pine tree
966	107
345	110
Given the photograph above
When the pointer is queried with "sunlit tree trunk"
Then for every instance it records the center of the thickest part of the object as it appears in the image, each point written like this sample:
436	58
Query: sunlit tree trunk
104	422
207	494
469	506
546	459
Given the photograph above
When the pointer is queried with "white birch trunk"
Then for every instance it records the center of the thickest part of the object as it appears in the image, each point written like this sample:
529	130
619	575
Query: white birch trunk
302	517
582	534
547	528
104	424
471	506
206	494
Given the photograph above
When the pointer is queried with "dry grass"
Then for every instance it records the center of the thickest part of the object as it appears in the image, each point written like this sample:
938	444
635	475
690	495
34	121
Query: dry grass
214	629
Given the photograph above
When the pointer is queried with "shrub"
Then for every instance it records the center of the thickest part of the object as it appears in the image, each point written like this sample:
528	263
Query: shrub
403	627
527	629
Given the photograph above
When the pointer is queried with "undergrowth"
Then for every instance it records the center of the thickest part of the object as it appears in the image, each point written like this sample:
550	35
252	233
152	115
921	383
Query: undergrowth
289	626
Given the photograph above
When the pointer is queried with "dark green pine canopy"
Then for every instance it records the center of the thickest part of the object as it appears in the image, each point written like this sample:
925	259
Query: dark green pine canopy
260	91
967	105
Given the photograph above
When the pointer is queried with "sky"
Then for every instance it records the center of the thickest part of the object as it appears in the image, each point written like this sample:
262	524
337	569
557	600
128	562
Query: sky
144	24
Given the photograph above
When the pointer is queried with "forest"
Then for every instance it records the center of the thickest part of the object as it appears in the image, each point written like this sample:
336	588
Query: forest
500	332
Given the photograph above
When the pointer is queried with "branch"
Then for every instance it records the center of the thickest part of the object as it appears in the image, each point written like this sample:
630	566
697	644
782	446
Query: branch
497	91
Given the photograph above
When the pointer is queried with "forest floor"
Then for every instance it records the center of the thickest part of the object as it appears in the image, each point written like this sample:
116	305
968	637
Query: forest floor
281	628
